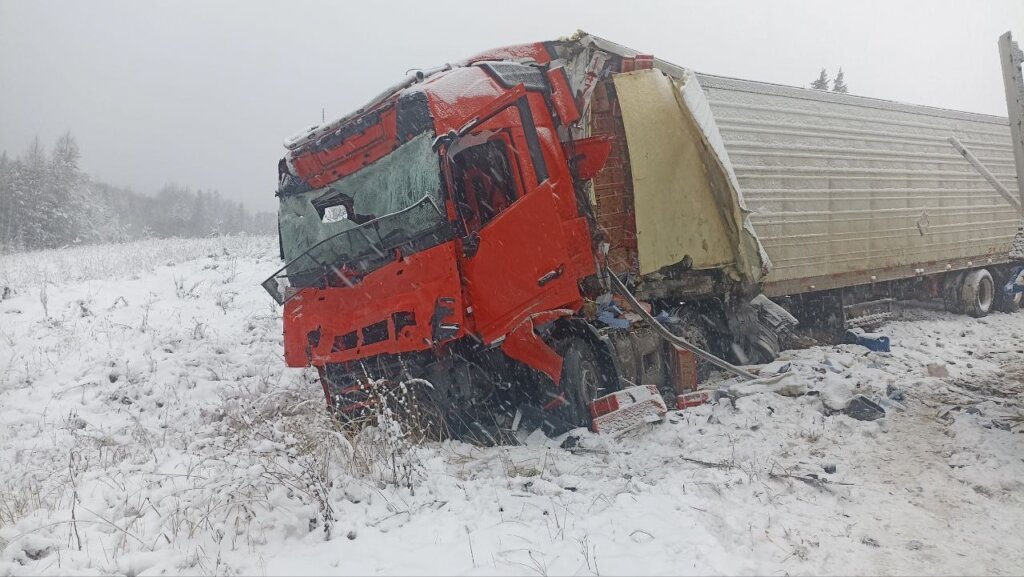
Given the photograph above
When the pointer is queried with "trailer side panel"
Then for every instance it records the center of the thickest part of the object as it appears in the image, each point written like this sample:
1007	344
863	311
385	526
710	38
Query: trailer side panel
847	190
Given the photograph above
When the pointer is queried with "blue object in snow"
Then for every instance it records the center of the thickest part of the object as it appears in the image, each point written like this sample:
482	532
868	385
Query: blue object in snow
871	341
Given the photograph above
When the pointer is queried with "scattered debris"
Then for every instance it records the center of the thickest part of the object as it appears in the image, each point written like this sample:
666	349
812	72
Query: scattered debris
938	370
610	313
894	393
888	403
696	398
835	396
785	384
625	410
864	409
872	341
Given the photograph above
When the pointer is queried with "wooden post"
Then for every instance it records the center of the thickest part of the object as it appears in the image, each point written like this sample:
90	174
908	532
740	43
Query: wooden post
1010	56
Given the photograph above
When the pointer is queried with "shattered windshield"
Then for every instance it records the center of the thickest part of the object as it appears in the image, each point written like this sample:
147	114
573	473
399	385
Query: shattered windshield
343	259
336	234
389	185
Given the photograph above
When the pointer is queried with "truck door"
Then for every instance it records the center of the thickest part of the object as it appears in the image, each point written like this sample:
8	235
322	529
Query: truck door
515	260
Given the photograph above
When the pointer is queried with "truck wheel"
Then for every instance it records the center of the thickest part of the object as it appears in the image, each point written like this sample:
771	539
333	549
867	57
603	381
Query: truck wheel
581	382
978	293
952	285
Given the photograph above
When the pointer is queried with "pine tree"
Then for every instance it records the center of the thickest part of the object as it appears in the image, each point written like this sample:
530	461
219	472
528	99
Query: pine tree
822	82
6	202
33	199
839	85
72	216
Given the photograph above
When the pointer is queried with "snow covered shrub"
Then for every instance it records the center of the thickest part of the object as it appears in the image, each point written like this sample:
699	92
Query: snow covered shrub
387	439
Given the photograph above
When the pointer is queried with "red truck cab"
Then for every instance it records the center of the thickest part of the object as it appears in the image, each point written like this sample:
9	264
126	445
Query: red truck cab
442	218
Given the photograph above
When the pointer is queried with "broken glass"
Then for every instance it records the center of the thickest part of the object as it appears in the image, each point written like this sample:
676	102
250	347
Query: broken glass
389	185
344	258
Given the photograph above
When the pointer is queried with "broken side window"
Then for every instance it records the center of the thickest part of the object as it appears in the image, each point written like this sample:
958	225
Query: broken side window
484	182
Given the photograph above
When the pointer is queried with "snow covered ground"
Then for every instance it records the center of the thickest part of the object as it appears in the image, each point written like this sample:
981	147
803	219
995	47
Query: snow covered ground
148	426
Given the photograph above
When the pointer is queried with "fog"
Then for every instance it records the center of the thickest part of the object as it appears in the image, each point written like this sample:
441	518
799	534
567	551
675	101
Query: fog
203	93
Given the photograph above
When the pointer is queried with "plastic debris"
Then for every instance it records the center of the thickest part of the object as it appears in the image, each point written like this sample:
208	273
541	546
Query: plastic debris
864	409
785	384
625	410
610	313
697	398
872	341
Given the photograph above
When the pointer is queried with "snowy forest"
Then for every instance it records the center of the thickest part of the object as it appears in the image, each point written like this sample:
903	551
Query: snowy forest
46	201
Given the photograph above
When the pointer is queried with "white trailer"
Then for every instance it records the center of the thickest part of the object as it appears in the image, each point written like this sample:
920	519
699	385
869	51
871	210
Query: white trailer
846	190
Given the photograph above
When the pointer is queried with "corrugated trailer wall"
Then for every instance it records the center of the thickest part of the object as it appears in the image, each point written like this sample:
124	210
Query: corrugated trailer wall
846	190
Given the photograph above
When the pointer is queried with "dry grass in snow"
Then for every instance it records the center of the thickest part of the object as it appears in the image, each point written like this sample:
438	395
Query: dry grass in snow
148	426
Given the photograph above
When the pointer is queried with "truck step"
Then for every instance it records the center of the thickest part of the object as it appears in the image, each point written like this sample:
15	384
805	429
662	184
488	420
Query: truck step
870	314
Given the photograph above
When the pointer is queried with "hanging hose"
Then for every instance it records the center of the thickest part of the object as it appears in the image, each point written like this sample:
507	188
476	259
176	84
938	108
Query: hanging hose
667	334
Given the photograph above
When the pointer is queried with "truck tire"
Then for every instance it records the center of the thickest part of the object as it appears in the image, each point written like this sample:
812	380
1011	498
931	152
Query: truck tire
978	293
581	382
952	287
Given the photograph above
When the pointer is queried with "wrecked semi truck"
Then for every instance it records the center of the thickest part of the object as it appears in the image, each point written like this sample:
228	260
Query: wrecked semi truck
461	228
536	226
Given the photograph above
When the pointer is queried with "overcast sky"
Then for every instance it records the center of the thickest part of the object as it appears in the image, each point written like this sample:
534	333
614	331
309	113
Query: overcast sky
203	93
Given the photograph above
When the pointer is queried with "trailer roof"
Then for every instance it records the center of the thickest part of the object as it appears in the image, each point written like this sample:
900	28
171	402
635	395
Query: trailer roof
758	87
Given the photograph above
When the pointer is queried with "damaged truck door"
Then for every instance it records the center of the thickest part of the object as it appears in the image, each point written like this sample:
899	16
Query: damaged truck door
502	194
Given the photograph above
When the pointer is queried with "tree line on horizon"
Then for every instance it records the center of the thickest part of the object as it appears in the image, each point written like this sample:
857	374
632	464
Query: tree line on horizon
46	201
838	85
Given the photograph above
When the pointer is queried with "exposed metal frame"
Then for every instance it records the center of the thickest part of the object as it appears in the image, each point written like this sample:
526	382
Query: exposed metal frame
1011	57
